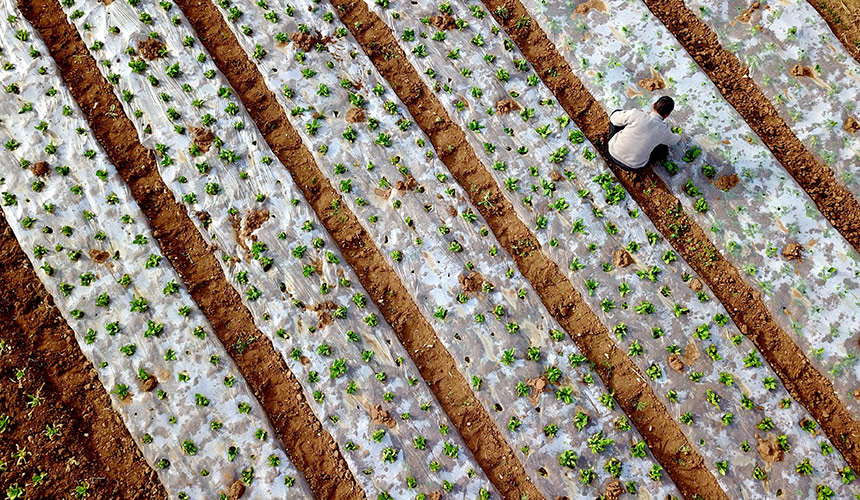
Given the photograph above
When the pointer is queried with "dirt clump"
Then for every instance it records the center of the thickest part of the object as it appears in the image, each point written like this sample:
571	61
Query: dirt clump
695	285
583	8
150	48
305	41
675	363
505	106
237	489
149	384
769	449
253	221
323	310
621	258
355	115
691	354
203	138
746	14
851	125
41	169
443	22
378	415
793	251
614	490
798	70
406	185
726	182
538	386
472	282
98	256
656	82
555	176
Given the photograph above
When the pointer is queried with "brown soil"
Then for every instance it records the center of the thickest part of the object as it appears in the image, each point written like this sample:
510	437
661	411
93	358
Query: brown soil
538	386
798	71
769	449
621	258
793	251
843	17
355	115
237	489
835	202
614	490
747	14
380	416
150	48
505	106
305	41
635	396
691	354
41	169
434	362
471	283
443	22
851	125
809	387
695	285
94	445
98	256
656	82
676	363
203	138
726	182
308	445
598	5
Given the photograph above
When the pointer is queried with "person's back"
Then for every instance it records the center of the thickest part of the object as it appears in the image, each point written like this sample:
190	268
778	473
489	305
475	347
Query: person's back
637	138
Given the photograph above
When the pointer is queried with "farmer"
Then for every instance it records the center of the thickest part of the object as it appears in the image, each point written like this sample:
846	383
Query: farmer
638	139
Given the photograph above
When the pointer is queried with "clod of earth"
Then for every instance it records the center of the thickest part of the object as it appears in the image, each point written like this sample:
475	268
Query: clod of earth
505	106
656	82
726	182
598	5
355	115
769	449
621	258
150	48
793	251
851	125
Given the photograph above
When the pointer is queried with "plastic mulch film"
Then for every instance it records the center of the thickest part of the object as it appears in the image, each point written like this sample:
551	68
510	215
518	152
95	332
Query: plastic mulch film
324	96
532	381
639	287
359	381
804	70
175	387
756	220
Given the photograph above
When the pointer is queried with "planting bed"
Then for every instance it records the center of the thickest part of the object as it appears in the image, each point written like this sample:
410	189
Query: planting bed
388	214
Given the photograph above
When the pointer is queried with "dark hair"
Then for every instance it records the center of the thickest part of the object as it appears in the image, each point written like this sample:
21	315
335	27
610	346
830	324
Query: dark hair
664	106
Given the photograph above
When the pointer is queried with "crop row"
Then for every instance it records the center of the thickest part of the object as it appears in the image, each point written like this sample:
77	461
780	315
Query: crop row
175	387
442	251
366	390
759	222
468	65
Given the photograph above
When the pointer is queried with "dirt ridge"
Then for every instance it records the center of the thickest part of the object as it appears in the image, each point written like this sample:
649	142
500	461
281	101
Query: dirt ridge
805	384
311	449
434	362
835	202
834	13
632	392
92	433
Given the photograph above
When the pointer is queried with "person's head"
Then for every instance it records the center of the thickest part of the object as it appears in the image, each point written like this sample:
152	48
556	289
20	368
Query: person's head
664	106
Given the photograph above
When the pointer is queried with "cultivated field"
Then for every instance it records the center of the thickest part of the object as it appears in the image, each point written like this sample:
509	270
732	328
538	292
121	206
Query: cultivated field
373	249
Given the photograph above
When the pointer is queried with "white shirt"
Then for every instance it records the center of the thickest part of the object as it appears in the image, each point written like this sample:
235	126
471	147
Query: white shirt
642	133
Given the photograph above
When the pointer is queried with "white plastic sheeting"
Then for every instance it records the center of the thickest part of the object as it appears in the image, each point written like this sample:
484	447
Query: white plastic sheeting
351	366
200	428
815	299
472	69
419	218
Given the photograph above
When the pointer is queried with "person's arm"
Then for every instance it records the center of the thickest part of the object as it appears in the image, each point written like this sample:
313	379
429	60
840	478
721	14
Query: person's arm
671	138
621	118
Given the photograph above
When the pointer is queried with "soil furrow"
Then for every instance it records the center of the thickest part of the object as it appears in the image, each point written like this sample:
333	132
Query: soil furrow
92	445
633	394
434	362
833	200
311	449
809	387
843	17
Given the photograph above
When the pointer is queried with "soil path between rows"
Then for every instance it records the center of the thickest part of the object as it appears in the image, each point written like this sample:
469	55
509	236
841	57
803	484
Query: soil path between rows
434	362
309	446
745	306
843	17
618	372
93	446
833	200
